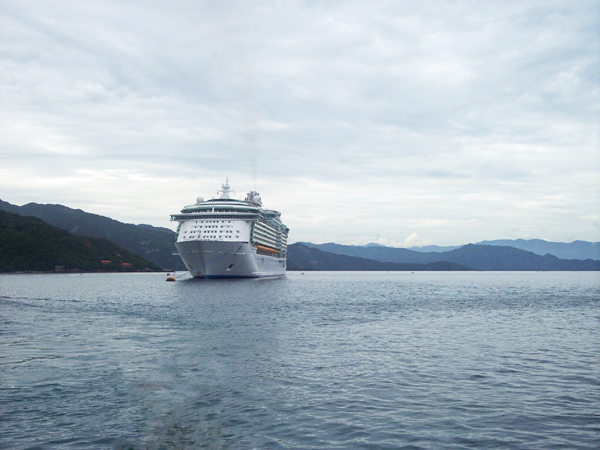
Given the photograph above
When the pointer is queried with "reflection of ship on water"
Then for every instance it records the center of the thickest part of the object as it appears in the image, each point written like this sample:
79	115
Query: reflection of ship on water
224	237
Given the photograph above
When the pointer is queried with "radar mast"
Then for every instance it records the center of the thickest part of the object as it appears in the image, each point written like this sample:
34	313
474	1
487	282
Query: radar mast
226	189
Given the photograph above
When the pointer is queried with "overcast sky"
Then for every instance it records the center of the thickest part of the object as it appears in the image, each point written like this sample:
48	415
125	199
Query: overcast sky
403	122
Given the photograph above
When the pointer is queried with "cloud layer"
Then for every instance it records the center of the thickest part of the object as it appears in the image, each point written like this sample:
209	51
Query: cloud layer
449	121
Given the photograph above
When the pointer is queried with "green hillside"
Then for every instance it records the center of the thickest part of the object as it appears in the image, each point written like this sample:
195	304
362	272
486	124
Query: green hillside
30	244
151	243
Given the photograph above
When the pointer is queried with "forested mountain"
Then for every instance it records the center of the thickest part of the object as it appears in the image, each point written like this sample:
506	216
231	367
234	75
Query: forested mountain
148	242
30	244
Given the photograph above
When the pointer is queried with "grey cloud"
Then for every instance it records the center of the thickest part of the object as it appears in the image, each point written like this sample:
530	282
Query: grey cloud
438	109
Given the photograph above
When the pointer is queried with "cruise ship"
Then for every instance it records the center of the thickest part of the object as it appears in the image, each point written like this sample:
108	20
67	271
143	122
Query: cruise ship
228	238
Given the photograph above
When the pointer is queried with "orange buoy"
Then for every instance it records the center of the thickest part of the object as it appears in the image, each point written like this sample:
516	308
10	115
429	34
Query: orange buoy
171	278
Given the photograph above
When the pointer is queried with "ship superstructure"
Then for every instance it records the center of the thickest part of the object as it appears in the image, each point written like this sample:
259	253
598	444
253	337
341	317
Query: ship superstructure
225	237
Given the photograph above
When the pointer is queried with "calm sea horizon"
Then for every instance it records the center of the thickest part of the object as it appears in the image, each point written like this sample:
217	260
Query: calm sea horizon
332	360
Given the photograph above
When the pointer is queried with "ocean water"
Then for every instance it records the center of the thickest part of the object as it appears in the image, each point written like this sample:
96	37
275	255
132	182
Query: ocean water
350	360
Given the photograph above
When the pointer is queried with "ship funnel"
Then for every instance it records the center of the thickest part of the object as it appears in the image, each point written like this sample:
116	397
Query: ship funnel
254	197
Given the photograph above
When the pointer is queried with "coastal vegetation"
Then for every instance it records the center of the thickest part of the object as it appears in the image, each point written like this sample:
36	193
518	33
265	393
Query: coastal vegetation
154	244
29	244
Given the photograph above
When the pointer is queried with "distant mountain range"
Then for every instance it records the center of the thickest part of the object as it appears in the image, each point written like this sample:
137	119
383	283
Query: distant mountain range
30	244
580	250
572	250
303	257
157	245
475	257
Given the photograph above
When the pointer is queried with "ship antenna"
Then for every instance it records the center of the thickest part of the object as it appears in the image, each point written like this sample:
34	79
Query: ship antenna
226	189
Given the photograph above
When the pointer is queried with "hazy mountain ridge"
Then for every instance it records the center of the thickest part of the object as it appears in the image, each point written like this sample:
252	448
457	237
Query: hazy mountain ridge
377	253
574	250
302	257
491	257
30	244
580	250
433	248
479	257
155	244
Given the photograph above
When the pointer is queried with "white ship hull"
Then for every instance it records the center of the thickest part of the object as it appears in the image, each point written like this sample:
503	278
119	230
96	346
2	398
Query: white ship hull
214	259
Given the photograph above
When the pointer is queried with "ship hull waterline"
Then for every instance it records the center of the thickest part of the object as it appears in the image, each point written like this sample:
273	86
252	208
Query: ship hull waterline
214	259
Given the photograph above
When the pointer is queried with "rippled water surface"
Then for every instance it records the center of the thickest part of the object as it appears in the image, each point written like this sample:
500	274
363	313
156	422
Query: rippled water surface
315	360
